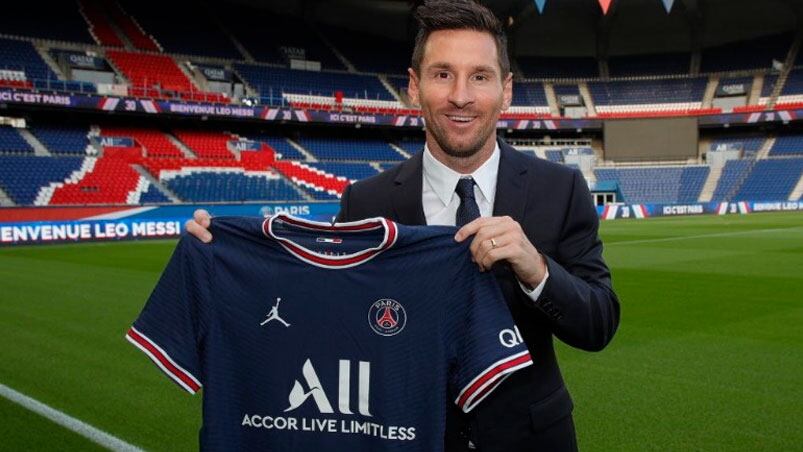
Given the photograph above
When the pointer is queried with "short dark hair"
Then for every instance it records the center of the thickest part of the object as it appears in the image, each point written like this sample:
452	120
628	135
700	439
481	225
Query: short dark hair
434	15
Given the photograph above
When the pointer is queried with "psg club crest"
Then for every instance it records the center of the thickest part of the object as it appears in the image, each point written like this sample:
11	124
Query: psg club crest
387	317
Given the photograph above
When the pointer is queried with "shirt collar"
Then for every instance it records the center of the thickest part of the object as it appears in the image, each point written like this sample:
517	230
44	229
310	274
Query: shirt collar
443	179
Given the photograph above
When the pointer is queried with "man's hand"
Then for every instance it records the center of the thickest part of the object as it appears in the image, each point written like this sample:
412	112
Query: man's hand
501	238
199	225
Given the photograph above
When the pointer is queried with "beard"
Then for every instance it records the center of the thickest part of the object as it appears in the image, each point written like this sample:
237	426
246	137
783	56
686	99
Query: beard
456	146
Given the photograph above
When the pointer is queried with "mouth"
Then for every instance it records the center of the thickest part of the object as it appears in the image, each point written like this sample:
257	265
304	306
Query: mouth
461	119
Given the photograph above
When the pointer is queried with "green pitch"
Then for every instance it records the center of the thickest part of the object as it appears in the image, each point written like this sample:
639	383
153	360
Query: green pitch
709	355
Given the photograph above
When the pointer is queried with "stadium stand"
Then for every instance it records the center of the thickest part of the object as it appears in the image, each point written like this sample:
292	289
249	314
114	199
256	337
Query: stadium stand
754	54
349	171
641	65
656	184
231	184
277	39
666	96
771	180
411	146
16	55
733	175
99	24
183	36
280	145
61	22
344	149
374	53
750	144
792	92
316	182
158	76
787	145
531	96
273	83
23	177
11	142
207	144
108	180
62	139
559	67
154	142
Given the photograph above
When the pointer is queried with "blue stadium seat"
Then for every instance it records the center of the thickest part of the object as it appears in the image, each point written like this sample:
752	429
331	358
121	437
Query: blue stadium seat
351	171
771	180
11	142
21	55
529	94
733	174
787	145
22	177
280	145
349	149
153	196
231	186
666	185
62	139
648	91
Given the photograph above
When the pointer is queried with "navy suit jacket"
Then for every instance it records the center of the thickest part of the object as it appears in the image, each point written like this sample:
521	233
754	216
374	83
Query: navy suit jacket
531	410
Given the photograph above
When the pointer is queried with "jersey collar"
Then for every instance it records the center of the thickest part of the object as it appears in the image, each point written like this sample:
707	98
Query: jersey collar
325	261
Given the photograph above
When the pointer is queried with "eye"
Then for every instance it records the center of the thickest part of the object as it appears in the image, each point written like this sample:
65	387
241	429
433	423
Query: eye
443	75
480	77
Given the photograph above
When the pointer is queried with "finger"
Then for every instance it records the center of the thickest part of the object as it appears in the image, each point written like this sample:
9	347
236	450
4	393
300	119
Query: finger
472	227
495	255
485	234
486	246
202	217
198	231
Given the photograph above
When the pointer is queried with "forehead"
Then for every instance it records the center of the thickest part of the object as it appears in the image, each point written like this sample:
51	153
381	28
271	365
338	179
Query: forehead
460	48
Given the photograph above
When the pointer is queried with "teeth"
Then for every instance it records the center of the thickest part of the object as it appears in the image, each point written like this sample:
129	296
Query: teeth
460	118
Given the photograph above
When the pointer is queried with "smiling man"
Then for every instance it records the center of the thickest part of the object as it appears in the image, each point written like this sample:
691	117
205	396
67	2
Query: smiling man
530	221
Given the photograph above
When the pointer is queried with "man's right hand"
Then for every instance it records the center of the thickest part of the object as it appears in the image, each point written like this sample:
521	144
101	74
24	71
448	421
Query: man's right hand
199	225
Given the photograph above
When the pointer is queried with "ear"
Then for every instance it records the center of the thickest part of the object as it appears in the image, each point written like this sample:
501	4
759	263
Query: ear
507	91
412	87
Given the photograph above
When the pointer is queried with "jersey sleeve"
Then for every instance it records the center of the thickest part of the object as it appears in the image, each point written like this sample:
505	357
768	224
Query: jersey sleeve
169	328
488	345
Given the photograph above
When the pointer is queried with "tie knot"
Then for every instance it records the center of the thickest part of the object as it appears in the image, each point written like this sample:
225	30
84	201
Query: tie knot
465	188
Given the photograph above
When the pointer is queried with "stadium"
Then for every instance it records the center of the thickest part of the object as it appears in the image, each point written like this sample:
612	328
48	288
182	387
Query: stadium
120	118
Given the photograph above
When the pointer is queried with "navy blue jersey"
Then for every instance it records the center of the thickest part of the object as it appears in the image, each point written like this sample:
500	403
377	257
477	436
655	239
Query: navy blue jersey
308	336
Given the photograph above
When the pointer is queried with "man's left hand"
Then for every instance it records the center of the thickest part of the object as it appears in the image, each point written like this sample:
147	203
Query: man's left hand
501	238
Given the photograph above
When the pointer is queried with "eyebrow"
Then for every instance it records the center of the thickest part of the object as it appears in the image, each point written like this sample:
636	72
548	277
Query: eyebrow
444	65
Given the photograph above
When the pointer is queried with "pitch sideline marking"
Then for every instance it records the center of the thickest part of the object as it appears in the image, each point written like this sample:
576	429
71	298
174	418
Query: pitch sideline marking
700	236
70	423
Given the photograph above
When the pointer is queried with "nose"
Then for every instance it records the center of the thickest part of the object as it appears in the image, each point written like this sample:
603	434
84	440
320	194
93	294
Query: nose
461	93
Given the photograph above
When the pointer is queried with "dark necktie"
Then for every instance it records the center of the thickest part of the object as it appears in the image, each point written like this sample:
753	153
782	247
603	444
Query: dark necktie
468	209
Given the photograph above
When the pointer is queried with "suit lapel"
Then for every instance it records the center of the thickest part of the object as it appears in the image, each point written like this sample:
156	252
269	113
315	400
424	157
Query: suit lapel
407	192
511	184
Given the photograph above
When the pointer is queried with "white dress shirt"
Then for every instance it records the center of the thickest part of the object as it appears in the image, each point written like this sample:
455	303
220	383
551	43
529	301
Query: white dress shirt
440	201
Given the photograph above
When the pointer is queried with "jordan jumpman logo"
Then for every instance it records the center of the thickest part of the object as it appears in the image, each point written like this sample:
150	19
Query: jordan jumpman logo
274	314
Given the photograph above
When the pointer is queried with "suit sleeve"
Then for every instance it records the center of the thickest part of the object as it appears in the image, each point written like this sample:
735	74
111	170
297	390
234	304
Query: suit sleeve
343	214
170	327
578	296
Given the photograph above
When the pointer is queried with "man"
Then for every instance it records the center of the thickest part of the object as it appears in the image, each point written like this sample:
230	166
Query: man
537	227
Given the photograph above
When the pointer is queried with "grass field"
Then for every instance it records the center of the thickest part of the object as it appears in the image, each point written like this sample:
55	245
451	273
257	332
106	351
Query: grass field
709	354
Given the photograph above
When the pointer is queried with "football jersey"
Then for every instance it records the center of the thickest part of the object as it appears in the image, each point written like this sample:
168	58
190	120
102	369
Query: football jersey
315	337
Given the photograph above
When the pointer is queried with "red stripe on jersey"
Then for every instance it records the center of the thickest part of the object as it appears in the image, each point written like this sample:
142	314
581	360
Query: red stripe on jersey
491	374
163	360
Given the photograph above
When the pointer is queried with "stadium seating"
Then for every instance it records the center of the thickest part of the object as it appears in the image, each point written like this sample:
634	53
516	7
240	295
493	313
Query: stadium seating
411	146
554	155
99	25
319	184
22	56
559	67
62	139
659	64
272	82
22	177
373	53
656	184
280	145
787	145
57	21
771	180
750	144
792	92
665	96
273	38
344	149
232	185
754	54
183	36
132	29
207	144
349	171
154	142
158	76
11	142
529	94
109	180
733	175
